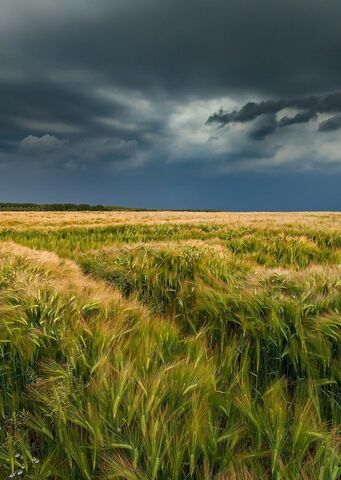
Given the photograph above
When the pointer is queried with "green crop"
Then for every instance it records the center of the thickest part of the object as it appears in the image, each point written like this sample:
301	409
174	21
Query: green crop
170	352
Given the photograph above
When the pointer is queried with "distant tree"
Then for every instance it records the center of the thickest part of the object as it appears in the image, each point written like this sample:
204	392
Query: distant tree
61	207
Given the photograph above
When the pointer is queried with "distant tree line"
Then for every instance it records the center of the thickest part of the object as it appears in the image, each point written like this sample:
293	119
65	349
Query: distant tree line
61	207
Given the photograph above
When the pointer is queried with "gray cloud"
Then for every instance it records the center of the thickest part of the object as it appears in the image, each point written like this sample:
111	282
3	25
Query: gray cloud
332	123
90	84
265	112
310	105
43	144
77	153
302	117
183	47
263	126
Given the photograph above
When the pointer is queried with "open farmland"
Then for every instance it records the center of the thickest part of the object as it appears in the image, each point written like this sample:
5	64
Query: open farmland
168	346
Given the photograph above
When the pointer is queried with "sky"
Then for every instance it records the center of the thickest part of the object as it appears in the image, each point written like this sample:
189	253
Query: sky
171	104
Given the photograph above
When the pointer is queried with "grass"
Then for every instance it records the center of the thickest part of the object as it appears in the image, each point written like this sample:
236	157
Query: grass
170	351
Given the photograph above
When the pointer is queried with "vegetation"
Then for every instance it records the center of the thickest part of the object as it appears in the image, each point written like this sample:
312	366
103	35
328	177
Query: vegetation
171	351
59	207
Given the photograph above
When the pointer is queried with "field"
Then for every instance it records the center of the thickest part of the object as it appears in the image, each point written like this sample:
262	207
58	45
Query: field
168	346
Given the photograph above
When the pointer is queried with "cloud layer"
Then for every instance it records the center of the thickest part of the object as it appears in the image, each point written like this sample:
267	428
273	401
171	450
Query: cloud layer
129	85
305	109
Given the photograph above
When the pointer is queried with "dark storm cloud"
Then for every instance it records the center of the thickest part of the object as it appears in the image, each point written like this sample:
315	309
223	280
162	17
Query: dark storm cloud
308	109
170	48
266	46
302	117
84	82
332	123
24	101
72	105
264	125
66	123
310	105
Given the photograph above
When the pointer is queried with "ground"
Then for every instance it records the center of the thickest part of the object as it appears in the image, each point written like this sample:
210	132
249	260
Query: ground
167	345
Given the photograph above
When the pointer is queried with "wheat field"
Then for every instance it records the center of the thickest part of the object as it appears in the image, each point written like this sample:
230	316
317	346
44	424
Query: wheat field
170	345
